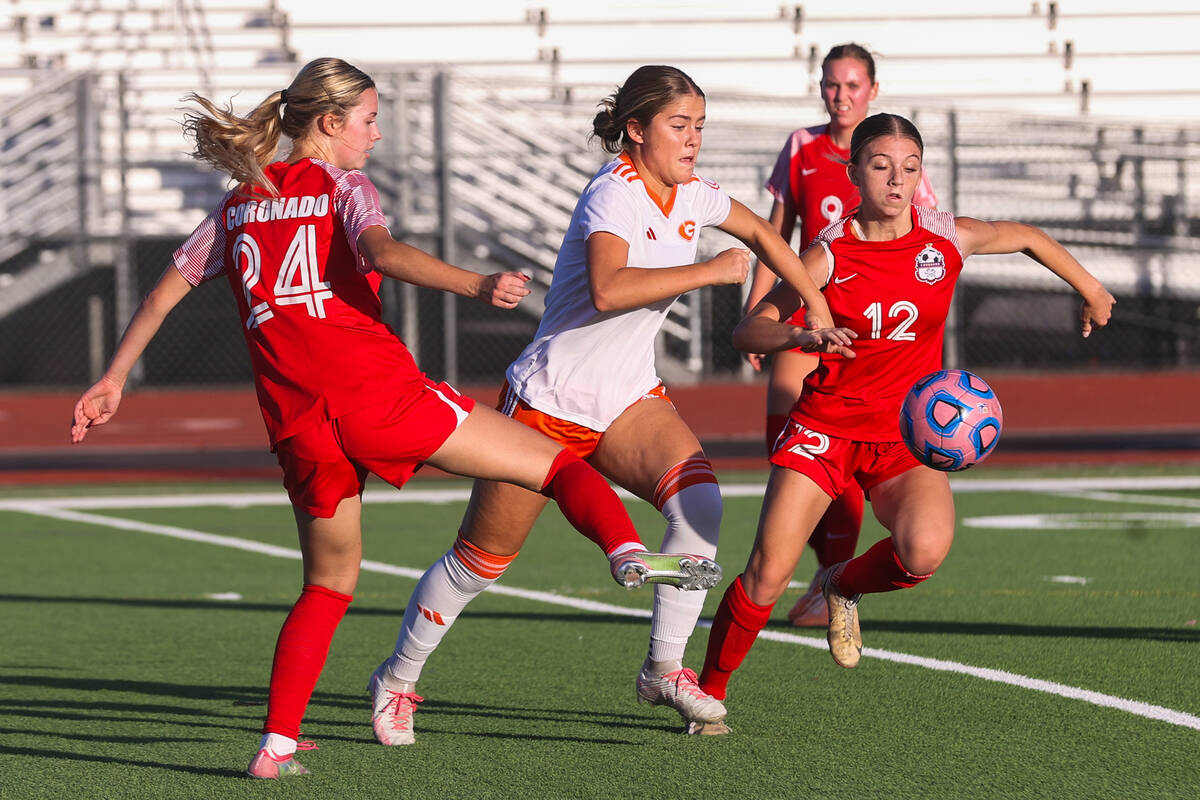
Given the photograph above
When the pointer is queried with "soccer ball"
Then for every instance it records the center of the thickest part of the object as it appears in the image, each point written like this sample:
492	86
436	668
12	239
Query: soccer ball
951	420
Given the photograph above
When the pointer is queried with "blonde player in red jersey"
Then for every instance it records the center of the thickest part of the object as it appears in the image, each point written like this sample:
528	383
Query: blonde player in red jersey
588	378
809	182
304	245
889	271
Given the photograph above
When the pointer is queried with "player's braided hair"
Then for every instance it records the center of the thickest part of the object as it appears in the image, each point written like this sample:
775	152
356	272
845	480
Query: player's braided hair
243	146
878	125
645	93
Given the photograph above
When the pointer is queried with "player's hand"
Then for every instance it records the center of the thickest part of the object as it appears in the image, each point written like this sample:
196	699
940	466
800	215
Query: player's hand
504	289
825	340
95	407
1096	311
730	266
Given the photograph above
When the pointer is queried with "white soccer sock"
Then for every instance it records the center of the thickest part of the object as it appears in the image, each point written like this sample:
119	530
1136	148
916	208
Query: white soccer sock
278	744
441	595
693	515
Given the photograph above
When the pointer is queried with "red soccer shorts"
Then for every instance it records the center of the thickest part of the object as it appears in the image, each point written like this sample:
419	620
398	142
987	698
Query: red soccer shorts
580	440
326	464
833	463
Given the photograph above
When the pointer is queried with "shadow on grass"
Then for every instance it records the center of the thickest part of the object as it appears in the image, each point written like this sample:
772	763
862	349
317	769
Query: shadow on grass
539	737
1189	635
99	737
283	608
82	686
230	697
59	755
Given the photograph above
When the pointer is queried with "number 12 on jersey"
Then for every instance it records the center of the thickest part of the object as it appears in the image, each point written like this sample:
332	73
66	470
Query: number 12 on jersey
901	332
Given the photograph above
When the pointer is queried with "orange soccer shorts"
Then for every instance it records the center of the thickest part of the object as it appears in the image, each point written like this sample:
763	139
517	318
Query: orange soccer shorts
580	440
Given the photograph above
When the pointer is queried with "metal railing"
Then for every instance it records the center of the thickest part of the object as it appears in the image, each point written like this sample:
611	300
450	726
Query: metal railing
97	190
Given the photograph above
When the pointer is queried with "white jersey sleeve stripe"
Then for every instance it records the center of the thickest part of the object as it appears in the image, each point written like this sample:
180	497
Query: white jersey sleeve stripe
356	201
202	257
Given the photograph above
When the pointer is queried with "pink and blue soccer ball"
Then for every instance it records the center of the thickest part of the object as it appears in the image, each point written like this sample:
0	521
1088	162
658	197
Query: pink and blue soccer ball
951	420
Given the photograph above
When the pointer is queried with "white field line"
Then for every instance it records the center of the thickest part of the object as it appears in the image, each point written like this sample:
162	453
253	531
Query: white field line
461	494
1135	707
1143	499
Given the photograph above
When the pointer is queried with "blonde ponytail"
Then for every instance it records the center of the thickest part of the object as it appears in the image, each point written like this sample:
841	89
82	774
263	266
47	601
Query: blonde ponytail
242	147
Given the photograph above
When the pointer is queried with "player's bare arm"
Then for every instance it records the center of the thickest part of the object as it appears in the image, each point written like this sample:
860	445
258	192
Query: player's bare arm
979	236
763	331
406	263
783	220
777	254
616	285
100	402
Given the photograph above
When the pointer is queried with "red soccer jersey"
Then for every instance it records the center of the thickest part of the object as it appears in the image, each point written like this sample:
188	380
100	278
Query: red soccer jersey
895	295
309	302
811	170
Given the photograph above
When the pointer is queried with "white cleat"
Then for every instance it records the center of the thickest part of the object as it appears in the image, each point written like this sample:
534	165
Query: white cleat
707	729
392	711
844	635
269	766
681	570
681	691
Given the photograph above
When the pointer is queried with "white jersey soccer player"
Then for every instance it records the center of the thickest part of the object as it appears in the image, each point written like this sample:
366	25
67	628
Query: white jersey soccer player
588	378
588	366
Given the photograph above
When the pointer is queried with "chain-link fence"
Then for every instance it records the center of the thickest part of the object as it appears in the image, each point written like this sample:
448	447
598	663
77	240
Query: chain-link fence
486	173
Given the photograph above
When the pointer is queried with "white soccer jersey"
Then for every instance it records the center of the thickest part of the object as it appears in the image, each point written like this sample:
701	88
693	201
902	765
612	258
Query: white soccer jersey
587	367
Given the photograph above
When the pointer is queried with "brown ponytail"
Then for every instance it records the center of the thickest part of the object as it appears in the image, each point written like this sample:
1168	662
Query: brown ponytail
646	92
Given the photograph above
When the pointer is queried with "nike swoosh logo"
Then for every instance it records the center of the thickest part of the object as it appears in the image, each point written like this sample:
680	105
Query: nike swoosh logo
845	278
807	171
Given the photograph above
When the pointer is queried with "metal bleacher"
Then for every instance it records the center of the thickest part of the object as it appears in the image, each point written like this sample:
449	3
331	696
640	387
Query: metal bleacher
1024	117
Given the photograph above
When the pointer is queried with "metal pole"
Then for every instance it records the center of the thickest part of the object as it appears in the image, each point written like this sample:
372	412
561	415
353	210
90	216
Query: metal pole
1139	185
441	145
411	330
1181	213
95	316
82	184
125	289
951	344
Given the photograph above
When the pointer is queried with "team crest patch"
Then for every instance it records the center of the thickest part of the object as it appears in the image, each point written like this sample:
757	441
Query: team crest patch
931	265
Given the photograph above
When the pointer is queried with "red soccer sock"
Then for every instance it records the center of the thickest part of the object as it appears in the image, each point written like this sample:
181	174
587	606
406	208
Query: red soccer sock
877	570
299	656
775	425
589	503
836	535
735	627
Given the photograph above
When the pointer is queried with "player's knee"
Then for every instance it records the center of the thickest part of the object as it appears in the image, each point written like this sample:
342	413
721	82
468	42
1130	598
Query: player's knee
700	508
917	568
764	583
562	460
689	497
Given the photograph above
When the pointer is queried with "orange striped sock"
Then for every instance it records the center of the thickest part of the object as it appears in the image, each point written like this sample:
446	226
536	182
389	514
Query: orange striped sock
481	562
689	472
441	595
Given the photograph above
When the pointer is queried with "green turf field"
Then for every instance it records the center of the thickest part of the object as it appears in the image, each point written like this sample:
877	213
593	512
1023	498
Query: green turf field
1053	655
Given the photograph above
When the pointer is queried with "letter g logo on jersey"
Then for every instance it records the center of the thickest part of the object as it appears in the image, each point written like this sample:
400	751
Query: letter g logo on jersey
688	229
